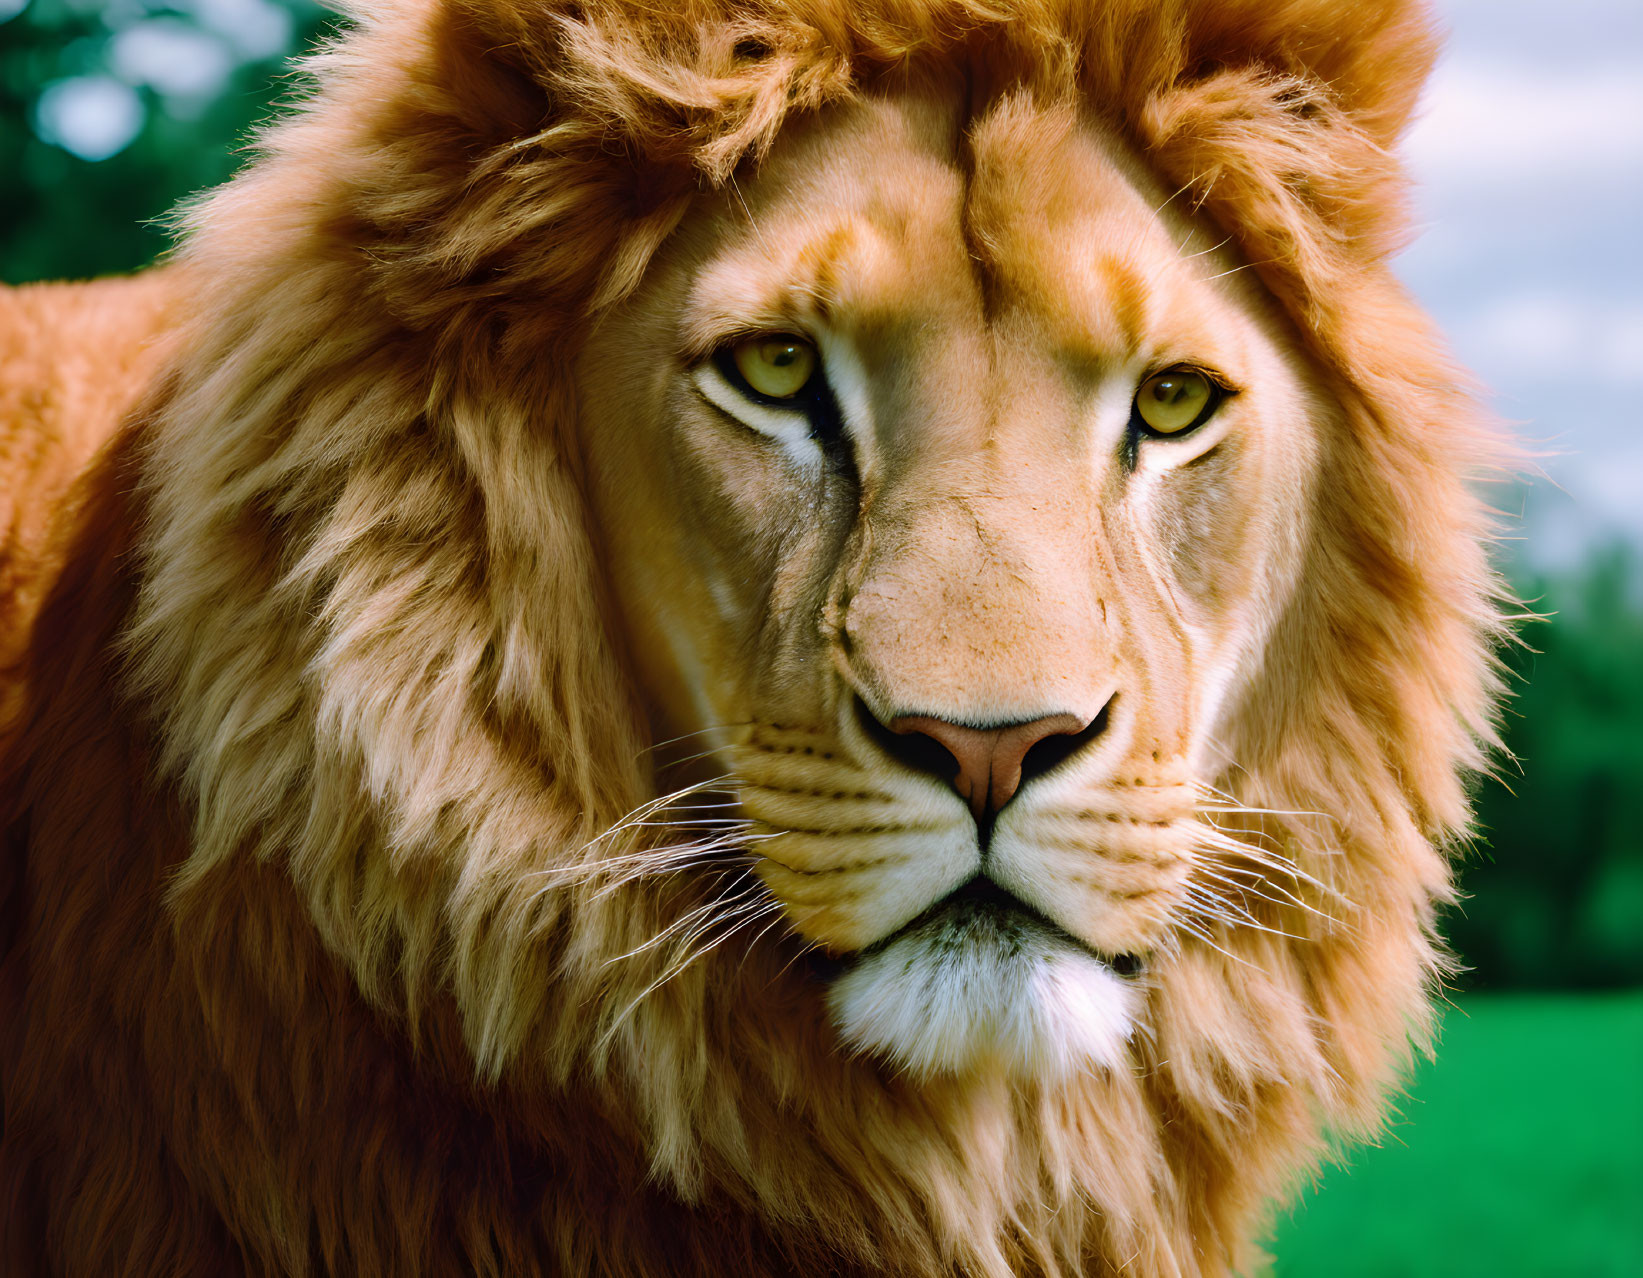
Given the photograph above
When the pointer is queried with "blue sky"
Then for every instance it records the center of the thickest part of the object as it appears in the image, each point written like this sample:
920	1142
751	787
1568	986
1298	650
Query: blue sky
1529	159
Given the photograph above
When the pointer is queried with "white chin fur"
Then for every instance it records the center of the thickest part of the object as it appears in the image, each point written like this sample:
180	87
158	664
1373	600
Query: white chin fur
949	999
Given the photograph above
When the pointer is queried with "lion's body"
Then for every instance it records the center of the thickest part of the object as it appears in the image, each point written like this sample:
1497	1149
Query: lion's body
73	361
344	925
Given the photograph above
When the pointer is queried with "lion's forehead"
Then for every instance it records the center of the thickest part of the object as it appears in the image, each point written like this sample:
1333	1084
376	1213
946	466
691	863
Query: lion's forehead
1028	235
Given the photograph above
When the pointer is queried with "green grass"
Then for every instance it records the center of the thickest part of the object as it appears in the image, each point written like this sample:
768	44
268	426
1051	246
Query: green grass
1517	1154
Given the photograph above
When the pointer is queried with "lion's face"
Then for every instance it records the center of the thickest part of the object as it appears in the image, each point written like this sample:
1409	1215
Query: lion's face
951	481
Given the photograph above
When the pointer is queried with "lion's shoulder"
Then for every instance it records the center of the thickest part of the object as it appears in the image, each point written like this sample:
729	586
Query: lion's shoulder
74	359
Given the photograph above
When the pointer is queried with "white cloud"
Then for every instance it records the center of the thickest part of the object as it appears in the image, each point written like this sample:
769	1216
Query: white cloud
1496	123
174	57
1548	335
1529	161
1614	485
91	116
256	28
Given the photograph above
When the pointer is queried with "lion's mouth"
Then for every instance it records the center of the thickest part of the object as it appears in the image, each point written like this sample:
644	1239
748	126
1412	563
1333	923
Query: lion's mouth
978	914
981	979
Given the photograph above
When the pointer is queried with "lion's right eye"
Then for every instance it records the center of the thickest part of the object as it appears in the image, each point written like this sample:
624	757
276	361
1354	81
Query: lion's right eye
1176	400
778	366
776	385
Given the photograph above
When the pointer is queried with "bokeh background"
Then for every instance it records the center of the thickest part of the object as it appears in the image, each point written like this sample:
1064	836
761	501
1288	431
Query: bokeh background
1519	1152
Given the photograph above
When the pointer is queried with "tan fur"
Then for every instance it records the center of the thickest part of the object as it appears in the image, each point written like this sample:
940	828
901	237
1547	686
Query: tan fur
344	929
73	360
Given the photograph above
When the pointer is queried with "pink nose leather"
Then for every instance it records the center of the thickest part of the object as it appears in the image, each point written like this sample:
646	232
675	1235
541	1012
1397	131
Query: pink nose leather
989	759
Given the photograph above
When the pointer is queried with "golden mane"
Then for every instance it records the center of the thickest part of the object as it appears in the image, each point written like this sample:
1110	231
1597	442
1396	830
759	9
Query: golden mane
315	964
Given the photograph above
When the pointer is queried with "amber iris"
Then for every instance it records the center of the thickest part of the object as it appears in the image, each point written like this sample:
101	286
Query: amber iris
778	366
1175	400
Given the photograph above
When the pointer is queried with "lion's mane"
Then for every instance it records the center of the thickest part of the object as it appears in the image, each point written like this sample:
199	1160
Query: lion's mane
309	962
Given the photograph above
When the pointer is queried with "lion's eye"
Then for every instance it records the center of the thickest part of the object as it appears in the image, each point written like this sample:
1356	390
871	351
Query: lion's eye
1176	400
778	365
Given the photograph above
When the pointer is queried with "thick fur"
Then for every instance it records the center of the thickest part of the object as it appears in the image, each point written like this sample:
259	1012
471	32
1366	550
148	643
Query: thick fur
309	962
72	362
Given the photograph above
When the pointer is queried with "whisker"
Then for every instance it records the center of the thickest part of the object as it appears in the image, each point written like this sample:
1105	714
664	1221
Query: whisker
1249	888
1239	809
1186	926
1282	867
699	732
669	974
683	759
1235	804
778	917
705	861
1172	198
1211	249
704	914
742	200
1226	910
649	809
807	948
680	823
731	850
647	856
1246	266
1221	840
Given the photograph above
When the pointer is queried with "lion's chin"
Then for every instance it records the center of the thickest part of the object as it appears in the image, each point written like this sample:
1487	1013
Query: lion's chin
967	988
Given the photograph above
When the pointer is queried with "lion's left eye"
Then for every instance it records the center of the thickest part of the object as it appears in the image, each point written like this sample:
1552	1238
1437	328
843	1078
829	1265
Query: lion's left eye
778	366
1176	400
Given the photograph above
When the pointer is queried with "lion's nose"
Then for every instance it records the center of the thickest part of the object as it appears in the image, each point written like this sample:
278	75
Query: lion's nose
992	762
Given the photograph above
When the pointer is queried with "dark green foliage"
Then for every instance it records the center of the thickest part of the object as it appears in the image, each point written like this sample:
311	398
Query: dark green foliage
62	217
1557	885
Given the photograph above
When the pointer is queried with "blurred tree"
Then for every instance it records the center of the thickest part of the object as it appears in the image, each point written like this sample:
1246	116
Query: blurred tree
1556	893
110	113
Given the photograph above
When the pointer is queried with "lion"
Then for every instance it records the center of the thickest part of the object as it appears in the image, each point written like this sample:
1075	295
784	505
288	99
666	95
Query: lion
742	639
